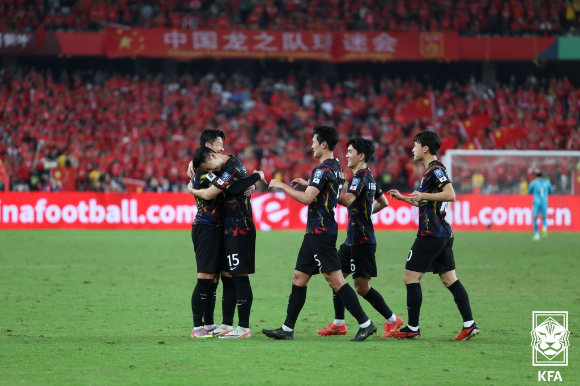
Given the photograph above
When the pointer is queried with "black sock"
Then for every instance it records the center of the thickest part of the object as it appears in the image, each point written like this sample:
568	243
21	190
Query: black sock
376	300
338	306
461	300
244	297
351	303
210	305
228	301
295	304
414	300
198	300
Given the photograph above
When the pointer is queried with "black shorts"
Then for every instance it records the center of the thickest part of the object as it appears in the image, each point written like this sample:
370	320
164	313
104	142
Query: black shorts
431	254
318	254
358	260
208	244
240	254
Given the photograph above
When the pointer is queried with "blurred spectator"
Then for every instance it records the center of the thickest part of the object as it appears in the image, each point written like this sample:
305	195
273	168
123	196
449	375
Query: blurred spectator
477	182
475	18
112	128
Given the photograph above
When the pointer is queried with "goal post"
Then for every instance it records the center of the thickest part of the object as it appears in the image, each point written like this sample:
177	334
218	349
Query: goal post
510	171
492	189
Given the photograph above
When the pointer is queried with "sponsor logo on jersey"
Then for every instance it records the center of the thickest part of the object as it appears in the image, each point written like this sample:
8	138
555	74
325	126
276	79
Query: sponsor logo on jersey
210	177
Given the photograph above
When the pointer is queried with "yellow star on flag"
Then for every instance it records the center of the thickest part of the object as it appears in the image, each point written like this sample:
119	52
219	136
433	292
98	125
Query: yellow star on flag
125	42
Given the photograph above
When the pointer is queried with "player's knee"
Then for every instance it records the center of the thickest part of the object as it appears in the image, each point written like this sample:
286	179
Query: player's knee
298	281
362	289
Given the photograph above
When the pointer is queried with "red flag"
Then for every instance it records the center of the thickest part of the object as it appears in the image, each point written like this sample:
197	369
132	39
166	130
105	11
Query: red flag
422	108
448	143
133	185
4	177
471	126
40	35
472	145
66	176
507	134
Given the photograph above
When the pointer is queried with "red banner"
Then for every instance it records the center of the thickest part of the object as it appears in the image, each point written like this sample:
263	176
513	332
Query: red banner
325	46
312	45
383	46
196	44
272	211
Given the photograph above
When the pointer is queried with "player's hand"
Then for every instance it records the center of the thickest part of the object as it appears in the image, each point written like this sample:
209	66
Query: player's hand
190	188
250	190
262	175
395	194
298	182
416	196
190	170
275	184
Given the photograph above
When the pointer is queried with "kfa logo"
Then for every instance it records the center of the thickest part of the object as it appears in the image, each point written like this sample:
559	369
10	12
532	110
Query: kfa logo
548	376
550	338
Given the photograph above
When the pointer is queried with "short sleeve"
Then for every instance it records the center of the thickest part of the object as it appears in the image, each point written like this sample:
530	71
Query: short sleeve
438	177
226	179
378	193
318	179
202	180
355	186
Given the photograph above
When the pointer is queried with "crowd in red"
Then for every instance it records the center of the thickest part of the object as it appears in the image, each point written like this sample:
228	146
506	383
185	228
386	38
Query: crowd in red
469	18
119	127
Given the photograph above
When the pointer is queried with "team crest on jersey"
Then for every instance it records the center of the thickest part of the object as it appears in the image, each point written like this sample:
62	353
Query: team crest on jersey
317	176
224	178
354	183
440	175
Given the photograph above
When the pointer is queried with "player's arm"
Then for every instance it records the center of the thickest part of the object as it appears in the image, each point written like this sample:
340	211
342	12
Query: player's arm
380	203
298	182
395	194
346	199
305	197
206	194
244	184
447	194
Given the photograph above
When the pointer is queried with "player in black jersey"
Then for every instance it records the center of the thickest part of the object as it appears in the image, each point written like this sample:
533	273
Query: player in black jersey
318	250
232	179
433	247
357	253
208	226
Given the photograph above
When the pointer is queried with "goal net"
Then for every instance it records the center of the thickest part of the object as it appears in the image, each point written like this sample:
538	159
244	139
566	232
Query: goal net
510	171
492	188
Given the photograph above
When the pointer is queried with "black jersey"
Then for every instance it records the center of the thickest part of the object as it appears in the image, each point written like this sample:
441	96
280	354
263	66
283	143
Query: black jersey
360	228
327	177
432	213
209	212
238	220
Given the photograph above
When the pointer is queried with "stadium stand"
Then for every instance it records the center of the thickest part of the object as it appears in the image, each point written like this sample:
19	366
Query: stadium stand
113	129
468	18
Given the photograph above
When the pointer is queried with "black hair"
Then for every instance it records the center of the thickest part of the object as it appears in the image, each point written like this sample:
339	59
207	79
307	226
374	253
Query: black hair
430	139
539	174
210	135
201	155
326	134
362	146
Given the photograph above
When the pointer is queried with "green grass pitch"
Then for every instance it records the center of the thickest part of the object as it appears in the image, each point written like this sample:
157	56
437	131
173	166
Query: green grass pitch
113	308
